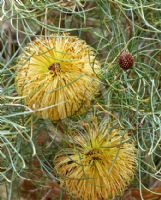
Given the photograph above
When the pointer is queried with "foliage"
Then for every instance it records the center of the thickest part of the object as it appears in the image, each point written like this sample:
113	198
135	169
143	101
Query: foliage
130	99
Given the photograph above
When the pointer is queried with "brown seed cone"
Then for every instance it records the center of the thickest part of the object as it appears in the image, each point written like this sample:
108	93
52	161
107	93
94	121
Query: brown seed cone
126	61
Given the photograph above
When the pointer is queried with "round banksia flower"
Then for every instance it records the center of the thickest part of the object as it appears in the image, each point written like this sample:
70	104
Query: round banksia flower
57	76
98	164
126	60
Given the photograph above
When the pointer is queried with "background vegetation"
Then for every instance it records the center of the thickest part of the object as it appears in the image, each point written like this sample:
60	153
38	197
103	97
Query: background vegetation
131	99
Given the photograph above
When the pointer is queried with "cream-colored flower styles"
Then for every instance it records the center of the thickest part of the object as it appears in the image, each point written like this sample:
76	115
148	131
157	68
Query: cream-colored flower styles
98	164
57	76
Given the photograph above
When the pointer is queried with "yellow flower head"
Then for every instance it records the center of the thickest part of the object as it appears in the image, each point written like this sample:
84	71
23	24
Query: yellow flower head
57	76
98	164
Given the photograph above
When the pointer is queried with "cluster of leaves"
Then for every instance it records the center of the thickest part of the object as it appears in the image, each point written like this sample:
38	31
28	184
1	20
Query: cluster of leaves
131	99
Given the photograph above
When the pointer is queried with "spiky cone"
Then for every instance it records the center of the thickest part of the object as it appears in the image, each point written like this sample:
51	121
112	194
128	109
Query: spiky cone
126	60
98	164
57	76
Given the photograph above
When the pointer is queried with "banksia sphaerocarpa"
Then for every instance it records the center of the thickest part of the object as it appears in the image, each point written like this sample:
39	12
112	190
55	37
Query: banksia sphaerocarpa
97	165
57	76
126	60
